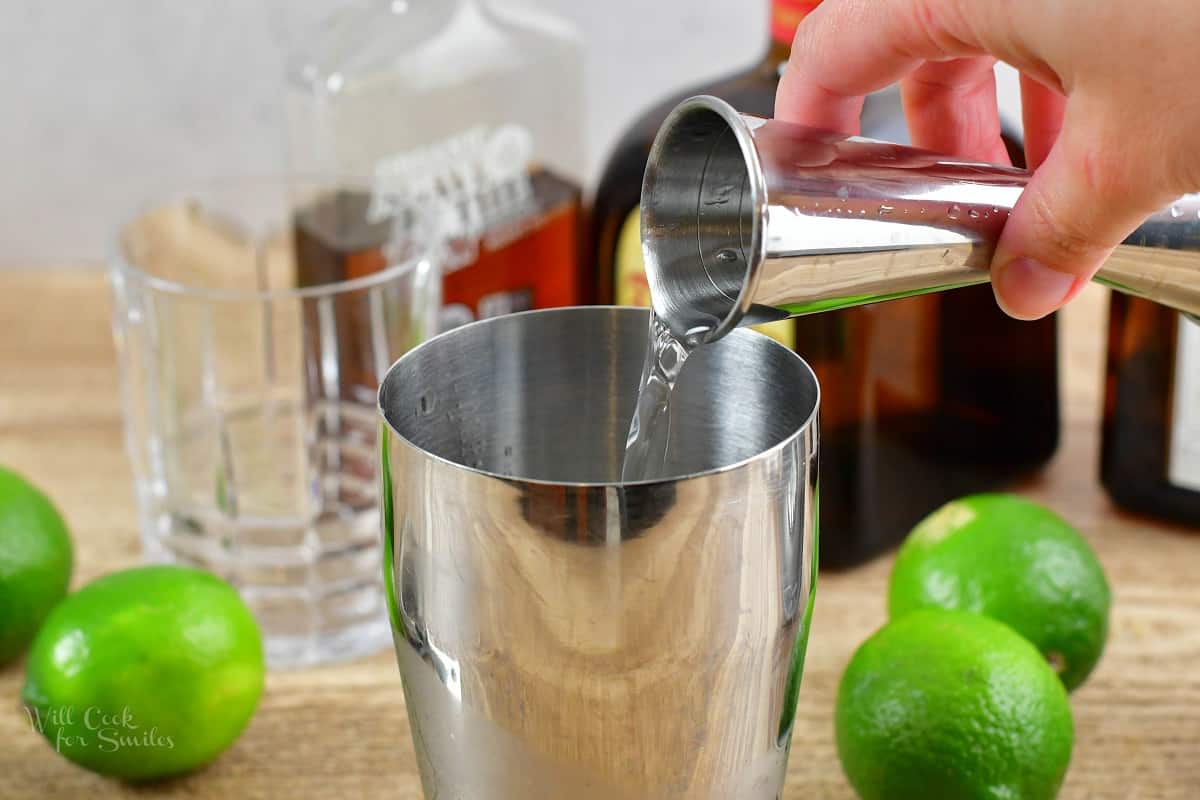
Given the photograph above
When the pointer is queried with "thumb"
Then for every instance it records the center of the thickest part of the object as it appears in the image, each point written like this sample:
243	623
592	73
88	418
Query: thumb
1079	205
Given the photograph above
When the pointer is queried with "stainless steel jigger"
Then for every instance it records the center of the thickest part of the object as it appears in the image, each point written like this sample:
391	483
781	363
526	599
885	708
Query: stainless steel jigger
746	220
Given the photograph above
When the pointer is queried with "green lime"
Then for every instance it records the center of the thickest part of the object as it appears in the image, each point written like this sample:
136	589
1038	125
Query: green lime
35	562
953	706
144	673
1015	561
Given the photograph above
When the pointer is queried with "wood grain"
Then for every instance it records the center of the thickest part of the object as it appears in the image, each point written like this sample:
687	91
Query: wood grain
341	731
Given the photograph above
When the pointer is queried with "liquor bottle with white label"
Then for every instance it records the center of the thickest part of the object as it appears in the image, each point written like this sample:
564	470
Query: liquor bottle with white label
479	106
922	399
1150	455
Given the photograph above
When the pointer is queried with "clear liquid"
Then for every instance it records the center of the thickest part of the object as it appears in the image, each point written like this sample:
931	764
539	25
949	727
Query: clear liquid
650	429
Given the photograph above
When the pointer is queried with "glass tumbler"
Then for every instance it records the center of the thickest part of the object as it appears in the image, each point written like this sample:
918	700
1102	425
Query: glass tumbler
253	321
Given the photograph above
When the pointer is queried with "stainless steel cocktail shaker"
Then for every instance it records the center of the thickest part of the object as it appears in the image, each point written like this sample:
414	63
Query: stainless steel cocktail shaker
746	220
563	634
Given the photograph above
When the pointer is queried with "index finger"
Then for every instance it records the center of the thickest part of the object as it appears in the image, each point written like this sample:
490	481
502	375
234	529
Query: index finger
845	49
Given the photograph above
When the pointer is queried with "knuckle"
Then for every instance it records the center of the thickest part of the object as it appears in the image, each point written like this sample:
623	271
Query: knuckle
1103	171
928	32
940	24
1058	230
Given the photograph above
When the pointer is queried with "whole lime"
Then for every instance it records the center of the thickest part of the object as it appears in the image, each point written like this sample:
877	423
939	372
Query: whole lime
35	562
953	706
1015	561
144	673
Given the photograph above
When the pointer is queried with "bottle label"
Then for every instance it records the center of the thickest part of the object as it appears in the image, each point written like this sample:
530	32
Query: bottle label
508	225
1183	469
786	16
482	176
630	287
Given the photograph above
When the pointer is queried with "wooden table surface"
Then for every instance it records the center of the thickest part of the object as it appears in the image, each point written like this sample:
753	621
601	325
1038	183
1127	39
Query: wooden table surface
341	732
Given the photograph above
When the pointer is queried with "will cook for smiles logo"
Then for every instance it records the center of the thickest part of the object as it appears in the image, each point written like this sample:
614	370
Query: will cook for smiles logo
71	727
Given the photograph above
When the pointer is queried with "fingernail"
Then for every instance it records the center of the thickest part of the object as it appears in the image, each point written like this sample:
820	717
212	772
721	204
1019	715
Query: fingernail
1027	289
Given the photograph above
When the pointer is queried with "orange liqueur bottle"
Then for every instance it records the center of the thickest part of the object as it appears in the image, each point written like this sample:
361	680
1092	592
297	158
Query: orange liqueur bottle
923	399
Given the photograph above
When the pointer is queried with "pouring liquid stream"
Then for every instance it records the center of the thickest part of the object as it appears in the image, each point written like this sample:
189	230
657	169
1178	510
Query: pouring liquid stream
650	429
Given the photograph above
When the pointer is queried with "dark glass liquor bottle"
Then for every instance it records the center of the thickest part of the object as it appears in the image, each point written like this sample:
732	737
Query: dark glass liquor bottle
1150	452
923	399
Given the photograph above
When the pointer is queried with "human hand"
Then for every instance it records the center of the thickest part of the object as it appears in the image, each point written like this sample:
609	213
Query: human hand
1111	111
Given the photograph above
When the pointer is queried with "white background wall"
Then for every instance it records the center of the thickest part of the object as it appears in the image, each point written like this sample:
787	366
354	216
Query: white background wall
105	101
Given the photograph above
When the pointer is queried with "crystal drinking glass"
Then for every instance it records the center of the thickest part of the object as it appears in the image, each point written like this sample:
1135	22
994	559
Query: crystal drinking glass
254	320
